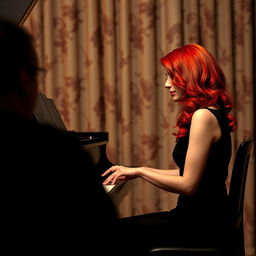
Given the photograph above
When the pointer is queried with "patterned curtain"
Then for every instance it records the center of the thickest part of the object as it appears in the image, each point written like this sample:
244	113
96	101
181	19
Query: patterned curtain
103	72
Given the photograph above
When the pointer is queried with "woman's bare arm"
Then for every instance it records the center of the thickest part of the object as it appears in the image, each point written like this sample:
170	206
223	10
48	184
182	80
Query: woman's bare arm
171	172
204	131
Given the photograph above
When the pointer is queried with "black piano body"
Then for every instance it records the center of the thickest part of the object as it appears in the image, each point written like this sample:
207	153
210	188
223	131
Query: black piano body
95	144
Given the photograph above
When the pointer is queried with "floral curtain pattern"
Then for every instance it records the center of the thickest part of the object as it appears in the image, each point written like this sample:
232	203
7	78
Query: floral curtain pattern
103	73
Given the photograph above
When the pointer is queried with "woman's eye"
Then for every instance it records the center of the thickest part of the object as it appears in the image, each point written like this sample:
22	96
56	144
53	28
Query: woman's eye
166	75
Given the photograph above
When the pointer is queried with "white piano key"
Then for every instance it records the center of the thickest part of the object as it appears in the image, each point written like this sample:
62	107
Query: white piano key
108	188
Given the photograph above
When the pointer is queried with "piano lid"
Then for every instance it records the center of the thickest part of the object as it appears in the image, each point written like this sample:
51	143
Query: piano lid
16	11
46	112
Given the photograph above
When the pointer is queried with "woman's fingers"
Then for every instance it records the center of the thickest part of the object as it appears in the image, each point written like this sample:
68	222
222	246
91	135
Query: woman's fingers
107	181
118	173
111	179
111	169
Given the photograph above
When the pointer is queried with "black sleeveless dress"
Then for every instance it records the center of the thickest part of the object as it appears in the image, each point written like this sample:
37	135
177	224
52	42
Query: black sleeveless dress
210	197
198	220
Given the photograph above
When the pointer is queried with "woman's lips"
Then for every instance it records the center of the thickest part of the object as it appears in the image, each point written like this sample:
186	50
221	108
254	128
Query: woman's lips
172	93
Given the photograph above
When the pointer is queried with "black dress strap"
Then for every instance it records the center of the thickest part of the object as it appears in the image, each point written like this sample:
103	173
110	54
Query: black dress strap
221	117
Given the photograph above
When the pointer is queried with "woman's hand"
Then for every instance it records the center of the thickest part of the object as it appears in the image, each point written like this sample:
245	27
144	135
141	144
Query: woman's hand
119	173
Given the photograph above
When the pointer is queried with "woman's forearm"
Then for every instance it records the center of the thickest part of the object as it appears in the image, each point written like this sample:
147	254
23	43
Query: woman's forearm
171	181
171	172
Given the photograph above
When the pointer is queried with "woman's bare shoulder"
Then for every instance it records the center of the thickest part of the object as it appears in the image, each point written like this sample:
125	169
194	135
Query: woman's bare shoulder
204	115
205	124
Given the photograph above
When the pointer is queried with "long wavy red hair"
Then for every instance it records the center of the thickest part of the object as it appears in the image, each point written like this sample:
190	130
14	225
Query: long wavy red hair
194	69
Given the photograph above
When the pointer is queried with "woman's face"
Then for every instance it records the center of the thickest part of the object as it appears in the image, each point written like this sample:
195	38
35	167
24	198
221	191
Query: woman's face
175	91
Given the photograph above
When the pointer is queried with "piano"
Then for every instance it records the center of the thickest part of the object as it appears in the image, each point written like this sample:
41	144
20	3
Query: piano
94	143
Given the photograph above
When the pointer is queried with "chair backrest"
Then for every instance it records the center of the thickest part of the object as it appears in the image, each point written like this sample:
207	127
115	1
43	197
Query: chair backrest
236	196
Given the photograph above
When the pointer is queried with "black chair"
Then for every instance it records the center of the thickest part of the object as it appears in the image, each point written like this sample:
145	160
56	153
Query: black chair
235	246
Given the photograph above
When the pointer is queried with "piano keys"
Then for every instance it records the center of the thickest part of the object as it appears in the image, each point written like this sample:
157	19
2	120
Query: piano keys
118	191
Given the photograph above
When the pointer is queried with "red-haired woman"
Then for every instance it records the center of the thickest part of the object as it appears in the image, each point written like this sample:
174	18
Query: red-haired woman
202	154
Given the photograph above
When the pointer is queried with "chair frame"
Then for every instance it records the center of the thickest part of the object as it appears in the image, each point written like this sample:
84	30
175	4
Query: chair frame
235	246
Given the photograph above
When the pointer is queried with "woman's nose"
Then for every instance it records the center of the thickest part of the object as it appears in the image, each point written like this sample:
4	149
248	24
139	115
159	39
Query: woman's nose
168	84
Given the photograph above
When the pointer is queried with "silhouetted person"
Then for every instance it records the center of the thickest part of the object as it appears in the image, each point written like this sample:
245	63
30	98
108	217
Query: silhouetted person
51	199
